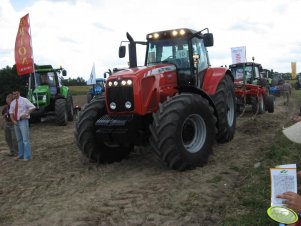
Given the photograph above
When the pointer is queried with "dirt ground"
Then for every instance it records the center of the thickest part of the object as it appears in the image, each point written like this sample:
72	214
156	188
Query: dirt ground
59	187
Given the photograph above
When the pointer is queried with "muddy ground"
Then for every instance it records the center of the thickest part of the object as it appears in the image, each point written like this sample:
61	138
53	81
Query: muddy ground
59	187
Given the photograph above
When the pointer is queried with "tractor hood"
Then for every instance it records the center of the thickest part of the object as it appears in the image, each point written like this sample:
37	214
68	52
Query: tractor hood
41	89
40	95
140	90
141	72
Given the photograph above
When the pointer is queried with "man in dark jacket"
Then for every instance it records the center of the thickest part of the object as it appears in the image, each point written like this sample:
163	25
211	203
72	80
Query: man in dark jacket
9	130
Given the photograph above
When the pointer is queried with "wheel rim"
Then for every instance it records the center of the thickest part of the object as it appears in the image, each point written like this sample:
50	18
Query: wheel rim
230	109
194	133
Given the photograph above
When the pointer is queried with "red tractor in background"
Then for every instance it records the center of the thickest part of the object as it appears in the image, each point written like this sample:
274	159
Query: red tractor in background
176	102
251	88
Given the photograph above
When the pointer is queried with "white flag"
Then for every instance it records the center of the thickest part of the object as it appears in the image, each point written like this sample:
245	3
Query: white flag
238	54
92	79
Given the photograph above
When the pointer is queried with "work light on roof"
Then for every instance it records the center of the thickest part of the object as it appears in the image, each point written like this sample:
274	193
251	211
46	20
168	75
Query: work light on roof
174	33
156	35
182	32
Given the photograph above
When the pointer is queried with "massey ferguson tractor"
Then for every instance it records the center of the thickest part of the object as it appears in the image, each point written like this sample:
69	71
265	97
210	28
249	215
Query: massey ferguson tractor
176	102
251	89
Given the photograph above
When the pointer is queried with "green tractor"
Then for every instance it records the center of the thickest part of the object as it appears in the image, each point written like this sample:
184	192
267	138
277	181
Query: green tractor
49	96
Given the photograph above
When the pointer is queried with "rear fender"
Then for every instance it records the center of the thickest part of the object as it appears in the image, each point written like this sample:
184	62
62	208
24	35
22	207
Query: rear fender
191	89
64	91
212	78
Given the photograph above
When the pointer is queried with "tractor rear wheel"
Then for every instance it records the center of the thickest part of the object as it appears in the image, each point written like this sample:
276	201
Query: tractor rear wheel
61	112
183	131
92	146
269	103
225	103
70	111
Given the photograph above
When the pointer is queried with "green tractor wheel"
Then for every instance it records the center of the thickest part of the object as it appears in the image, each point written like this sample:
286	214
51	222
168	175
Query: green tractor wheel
70	111
61	112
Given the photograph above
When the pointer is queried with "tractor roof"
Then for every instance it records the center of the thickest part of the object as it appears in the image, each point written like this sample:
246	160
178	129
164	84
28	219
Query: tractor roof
175	33
244	64
46	68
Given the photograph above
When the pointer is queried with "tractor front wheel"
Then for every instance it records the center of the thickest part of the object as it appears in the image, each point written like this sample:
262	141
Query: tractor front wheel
183	131
91	145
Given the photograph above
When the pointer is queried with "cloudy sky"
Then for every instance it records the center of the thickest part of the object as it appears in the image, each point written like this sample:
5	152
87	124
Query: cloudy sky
78	33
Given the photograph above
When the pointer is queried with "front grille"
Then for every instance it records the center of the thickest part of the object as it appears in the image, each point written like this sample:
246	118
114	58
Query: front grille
41	95
120	95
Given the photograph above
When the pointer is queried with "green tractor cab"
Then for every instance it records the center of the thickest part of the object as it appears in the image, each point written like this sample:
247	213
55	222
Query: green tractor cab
50	97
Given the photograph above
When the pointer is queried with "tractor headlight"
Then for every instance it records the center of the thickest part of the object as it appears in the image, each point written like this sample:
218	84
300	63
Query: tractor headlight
115	83
129	82
123	82
128	105
113	105
110	84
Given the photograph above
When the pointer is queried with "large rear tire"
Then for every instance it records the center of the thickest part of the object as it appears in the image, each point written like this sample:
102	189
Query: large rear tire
61	112
269	103
183	131
225	104
91	145
258	105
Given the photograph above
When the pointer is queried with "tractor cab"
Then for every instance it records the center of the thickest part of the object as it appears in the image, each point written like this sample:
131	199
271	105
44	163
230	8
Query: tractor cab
184	48
248	72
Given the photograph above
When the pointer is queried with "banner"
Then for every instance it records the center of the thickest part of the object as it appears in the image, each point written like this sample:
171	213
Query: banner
23	50
238	54
294	70
92	79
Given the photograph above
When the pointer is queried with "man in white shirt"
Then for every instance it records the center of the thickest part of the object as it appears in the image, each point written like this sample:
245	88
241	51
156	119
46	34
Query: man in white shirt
20	109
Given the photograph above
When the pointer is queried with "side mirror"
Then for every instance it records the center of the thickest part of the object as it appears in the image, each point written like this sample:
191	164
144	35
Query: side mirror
208	39
64	72
122	51
109	72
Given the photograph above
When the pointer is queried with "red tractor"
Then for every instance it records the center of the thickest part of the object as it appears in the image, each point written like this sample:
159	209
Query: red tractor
176	102
251	88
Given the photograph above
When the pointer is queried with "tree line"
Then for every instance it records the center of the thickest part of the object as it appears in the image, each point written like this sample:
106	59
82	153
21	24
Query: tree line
9	80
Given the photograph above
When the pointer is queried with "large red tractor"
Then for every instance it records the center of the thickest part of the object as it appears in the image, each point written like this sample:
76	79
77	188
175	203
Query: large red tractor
176	102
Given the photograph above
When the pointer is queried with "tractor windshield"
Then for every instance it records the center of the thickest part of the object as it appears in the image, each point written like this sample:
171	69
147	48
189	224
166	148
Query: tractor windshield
45	78
172	51
247	73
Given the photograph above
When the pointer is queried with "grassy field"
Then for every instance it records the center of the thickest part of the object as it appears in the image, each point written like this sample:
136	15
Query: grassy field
79	90
252	196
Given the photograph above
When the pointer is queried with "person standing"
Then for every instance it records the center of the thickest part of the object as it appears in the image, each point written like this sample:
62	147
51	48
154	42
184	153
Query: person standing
20	109
9	130
286	92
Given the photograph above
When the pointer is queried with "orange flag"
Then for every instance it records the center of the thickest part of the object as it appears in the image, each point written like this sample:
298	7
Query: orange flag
23	49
